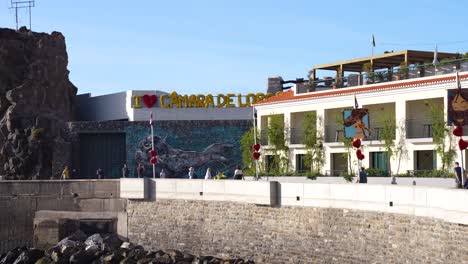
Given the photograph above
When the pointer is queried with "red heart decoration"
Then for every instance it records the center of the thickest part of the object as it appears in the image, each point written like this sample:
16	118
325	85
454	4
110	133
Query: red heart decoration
458	131
359	155
154	160
256	155
149	100
462	144
357	143
153	153
256	147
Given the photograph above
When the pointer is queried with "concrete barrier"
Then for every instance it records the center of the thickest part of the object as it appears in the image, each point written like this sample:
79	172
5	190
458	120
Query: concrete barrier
450	205
215	190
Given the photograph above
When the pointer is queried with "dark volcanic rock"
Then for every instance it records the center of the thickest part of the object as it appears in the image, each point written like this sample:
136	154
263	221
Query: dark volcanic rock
36	99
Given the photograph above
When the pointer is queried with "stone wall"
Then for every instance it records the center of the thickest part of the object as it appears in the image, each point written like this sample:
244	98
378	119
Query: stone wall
294	234
20	200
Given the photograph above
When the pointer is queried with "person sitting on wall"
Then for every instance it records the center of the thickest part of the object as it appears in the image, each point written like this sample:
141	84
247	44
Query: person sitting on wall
362	176
162	174
238	175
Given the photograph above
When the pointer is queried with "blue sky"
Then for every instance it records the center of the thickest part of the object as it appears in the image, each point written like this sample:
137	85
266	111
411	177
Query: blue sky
232	46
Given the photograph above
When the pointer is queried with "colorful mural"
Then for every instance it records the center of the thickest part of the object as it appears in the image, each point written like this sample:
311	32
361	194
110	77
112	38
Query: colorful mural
356	123
457	107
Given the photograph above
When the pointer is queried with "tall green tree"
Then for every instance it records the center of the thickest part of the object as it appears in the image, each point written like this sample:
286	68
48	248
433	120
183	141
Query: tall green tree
312	138
277	133
441	135
247	141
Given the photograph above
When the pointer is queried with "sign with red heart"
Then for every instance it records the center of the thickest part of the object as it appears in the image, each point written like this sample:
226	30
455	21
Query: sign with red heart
357	143
462	144
458	131
256	147
359	155
256	155
149	100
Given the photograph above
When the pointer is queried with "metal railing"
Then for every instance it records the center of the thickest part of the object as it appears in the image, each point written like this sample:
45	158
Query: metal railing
418	129
296	135
382	76
335	173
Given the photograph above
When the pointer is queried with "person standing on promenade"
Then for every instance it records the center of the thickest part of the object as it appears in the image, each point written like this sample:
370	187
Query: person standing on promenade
100	173
65	173
238	174
362	176
140	170
125	171
208	174
162	174
458	175
191	173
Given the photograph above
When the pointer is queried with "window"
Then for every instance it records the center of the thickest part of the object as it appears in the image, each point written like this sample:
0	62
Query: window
300	164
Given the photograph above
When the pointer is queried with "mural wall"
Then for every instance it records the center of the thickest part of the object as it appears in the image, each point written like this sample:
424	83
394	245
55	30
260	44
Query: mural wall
180	145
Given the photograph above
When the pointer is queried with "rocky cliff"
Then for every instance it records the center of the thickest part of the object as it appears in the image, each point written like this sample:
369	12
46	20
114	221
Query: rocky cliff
36	99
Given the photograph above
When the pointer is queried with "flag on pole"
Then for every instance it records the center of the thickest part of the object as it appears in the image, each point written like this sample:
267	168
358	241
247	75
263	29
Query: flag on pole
373	41
151	119
356	105
436	60
457	79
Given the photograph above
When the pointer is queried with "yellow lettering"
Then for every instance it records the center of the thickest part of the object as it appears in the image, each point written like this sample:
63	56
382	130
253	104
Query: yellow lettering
174	100
162	101
250	99
259	97
200	100
239	101
219	102
136	103
193	101
230	100
184	100
209	101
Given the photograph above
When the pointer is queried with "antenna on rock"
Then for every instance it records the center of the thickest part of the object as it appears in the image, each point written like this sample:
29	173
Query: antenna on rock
18	4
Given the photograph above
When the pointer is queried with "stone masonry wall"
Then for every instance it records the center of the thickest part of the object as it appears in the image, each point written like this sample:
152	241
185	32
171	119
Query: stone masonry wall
294	234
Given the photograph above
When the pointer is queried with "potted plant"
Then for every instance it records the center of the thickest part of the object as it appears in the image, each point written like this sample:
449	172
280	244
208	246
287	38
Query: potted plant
403	71
367	68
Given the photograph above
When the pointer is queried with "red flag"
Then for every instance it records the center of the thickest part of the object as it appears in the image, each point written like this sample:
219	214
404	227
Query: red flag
151	118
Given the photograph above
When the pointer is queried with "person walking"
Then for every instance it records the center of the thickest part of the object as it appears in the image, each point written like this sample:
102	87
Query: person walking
125	171
208	174
65	173
458	175
162	174
141	170
238	175
191	173
100	173
362	176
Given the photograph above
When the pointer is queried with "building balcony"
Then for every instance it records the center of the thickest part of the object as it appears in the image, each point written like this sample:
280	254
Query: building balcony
383	69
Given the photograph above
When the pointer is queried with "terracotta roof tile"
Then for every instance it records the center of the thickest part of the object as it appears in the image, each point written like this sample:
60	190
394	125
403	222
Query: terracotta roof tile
289	95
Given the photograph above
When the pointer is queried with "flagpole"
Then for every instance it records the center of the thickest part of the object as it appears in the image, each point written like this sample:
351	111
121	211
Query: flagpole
152	143
255	140
461	151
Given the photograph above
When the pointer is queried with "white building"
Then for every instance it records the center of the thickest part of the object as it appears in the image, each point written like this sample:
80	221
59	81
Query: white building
400	92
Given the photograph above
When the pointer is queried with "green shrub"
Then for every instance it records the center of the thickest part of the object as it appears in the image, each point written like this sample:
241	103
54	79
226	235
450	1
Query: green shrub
373	172
347	176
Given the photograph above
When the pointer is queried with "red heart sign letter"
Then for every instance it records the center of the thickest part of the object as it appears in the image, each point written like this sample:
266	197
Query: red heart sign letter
458	131
149	100
256	155
462	144
256	147
359	155
357	143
